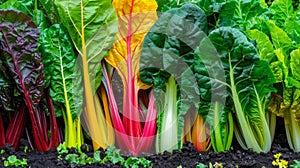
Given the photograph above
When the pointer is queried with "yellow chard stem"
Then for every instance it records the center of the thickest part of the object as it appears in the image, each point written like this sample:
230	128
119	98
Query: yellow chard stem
110	129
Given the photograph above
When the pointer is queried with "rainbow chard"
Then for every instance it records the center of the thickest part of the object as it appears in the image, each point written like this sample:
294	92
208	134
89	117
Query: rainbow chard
60	60
92	26
18	46
10	108
135	19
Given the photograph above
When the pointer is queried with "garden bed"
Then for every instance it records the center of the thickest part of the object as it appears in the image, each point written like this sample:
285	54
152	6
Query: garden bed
187	157
83	75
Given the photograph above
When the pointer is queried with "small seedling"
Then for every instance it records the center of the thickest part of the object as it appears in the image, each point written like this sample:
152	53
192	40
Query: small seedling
59	157
135	162
201	165
281	163
62	149
25	149
14	161
296	165
81	159
218	165
113	155
97	157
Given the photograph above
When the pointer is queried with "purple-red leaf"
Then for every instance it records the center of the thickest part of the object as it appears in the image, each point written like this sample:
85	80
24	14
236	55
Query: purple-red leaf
18	51
18	44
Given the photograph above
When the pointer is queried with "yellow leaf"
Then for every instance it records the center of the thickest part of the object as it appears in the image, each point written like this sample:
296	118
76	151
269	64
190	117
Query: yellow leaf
135	17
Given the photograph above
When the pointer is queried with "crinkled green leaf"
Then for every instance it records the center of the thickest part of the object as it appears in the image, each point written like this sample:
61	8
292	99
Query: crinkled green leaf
264	45
24	6
279	37
210	6
212	9
283	59
292	27
247	86
281	10
39	19
60	60
171	41
49	7
241	13
295	63
210	77
277	69
92	23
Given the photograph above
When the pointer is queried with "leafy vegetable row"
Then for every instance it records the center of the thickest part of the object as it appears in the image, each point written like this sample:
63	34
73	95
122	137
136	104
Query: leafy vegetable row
149	74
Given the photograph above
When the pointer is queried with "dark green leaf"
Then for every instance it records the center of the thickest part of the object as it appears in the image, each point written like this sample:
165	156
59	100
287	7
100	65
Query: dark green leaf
39	19
246	85
241	14
51	12
171	41
24	6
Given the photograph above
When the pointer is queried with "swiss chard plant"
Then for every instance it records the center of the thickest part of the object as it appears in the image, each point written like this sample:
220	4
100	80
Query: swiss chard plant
167	63
248	89
10	107
60	61
92	28
279	44
18	46
135	129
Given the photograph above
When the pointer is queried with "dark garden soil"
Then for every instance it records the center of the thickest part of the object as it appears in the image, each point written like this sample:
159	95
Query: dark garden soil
187	157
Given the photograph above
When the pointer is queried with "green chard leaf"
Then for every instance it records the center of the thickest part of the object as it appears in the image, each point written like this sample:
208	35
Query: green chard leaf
264	45
60	60
92	31
281	10
292	27
92	26
246	85
25	6
280	38
50	9
39	19
242	14
172	40
210	77
295	64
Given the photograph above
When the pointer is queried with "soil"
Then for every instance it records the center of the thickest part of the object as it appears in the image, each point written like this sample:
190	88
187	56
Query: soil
187	157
